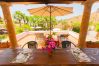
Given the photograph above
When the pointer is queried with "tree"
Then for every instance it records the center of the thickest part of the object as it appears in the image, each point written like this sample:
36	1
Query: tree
41	21
62	24
34	21
19	16
46	22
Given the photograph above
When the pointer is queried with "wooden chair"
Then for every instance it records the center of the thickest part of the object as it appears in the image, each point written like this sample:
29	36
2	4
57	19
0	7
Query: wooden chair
63	40
40	39
31	44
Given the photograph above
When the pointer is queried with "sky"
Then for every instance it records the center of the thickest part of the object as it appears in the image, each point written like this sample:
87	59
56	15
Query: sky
77	9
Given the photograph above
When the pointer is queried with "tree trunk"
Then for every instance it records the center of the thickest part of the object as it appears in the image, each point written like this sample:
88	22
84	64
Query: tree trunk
20	23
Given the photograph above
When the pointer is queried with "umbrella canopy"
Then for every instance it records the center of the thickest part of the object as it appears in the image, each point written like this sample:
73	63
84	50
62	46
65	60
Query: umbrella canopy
50	10
53	10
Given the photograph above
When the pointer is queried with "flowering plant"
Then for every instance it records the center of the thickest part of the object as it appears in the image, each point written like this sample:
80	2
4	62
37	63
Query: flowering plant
50	44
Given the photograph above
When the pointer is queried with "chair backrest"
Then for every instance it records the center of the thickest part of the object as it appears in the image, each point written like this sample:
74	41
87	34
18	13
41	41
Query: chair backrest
32	44
39	36
40	39
63	37
66	44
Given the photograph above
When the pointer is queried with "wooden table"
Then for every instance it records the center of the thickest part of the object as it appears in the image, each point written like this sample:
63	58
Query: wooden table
61	57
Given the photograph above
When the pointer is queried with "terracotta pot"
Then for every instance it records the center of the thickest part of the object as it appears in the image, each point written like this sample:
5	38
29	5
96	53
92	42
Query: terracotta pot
93	45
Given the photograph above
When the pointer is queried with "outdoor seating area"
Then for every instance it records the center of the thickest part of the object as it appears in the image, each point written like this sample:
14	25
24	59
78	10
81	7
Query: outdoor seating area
49	33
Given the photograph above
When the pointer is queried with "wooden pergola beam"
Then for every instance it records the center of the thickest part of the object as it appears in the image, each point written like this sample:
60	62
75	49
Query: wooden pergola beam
39	0
85	22
44	1
9	24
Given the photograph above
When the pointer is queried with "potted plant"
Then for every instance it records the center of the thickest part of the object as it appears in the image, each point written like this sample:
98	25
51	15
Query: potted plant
91	44
50	45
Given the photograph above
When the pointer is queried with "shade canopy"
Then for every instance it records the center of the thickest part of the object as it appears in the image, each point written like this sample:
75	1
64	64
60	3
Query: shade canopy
53	10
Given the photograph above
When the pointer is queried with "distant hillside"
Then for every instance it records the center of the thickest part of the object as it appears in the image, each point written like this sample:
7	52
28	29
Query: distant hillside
93	18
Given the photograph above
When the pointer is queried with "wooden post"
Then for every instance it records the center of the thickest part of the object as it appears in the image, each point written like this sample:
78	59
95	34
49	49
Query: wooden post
9	24
85	23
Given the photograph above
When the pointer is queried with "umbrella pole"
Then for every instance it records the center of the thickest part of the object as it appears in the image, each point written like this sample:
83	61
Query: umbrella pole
50	20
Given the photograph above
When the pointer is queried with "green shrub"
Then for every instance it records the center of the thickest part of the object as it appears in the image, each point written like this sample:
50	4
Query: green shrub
97	27
1	21
26	27
76	27
23	28
19	30
3	37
